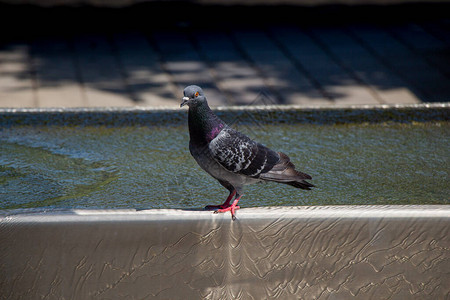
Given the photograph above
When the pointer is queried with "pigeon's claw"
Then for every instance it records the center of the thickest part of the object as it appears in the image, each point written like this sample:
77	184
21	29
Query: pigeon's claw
231	208
225	205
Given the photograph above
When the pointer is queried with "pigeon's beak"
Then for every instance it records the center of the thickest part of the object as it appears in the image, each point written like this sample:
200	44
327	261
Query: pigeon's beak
184	102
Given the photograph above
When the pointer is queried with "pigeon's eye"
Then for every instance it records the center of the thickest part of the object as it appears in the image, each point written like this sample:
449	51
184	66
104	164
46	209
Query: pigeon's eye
196	94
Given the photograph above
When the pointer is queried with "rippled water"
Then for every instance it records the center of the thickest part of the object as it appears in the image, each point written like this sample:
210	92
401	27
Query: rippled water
150	167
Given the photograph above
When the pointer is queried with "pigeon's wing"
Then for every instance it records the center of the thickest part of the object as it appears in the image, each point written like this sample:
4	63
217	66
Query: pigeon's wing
239	154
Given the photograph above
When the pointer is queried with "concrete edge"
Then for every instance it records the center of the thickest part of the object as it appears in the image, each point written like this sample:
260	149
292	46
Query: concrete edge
275	213
137	109
114	116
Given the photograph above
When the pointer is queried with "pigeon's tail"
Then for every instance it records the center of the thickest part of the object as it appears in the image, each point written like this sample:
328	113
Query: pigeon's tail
301	184
284	172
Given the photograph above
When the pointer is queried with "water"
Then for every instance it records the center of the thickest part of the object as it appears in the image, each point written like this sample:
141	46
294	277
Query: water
150	167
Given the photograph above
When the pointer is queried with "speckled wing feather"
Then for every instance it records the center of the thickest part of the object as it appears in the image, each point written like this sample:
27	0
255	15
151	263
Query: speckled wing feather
239	154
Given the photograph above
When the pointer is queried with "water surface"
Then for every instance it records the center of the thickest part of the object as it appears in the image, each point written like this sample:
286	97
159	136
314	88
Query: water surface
150	167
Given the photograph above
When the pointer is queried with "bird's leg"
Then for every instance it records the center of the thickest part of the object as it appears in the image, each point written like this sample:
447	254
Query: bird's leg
232	208
224	205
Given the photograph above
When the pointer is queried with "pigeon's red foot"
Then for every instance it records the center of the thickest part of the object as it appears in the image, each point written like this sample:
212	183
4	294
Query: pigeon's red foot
231	208
226	206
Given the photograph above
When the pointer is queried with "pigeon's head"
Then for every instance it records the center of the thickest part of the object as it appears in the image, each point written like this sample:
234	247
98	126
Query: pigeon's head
193	96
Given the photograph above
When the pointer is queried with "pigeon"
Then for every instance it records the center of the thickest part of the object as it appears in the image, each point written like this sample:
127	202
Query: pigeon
231	157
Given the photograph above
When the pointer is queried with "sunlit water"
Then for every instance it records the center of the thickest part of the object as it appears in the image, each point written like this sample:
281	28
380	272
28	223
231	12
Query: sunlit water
150	167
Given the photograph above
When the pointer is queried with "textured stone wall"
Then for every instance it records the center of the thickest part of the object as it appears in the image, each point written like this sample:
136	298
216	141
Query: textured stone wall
367	252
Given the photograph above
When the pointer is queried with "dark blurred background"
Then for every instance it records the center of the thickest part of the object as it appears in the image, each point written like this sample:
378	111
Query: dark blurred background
128	53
